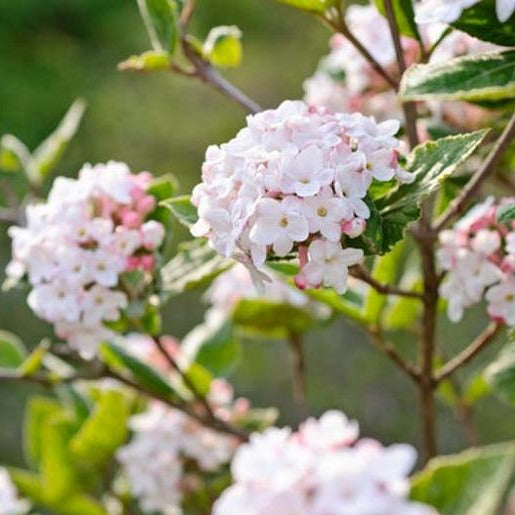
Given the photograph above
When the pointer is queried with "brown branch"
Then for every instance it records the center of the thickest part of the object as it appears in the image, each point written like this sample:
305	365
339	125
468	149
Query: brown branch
185	378
361	273
482	341
208	74
409	108
298	360
391	352
49	381
460	203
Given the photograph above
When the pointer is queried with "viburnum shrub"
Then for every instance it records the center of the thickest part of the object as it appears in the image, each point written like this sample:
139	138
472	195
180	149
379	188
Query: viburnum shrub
383	196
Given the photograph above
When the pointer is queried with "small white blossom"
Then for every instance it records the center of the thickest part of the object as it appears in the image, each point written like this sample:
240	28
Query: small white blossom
449	11
10	504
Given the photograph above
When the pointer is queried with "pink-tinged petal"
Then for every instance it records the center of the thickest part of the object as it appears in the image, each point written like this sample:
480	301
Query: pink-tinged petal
268	207
317	250
352	256
258	254
332	231
314	273
360	208
389	127
264	231
307	189
504	9
297	229
308	161
282	245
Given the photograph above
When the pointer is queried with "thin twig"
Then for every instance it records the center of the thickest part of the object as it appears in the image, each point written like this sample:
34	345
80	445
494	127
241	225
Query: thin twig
409	108
460	203
484	339
298	360
206	73
185	378
361	273
391	352
340	26
9	216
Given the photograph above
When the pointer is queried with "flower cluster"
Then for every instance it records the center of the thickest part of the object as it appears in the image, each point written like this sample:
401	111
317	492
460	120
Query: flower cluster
478	254
296	178
76	246
449	11
170	451
10	504
345	81
323	469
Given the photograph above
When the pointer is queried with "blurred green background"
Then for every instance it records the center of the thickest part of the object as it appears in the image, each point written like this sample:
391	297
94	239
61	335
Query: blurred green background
53	51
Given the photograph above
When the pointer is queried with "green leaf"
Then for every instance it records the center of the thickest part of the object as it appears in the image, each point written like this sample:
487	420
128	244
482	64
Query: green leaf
160	18
200	377
385	272
404	16
481	22
271	318
104	430
257	419
477	387
12	350
182	209
153	60
136	370
403	312
38	411
372	240
79	504
223	46
194	265
49	152
473	482
216	348
58	473
476	78
14	155
34	361
500	374
430	163
164	187
506	214
314	6
338	303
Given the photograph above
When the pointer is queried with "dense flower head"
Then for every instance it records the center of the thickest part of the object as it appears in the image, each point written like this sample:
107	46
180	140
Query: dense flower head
345	81
76	246
296	179
478	256
449	11
10	503
322	469
170	451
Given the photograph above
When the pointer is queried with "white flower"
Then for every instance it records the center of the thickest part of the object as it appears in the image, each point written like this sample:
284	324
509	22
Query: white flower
448	11
328	264
279	224
152	234
101	303
55	301
324	213
281	472
10	504
154	461
77	245
306	174
127	241
293	174
501	301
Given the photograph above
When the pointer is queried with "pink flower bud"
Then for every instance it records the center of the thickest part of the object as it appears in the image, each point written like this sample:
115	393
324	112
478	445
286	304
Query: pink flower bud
133	263
354	228
147	262
300	281
131	220
146	204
